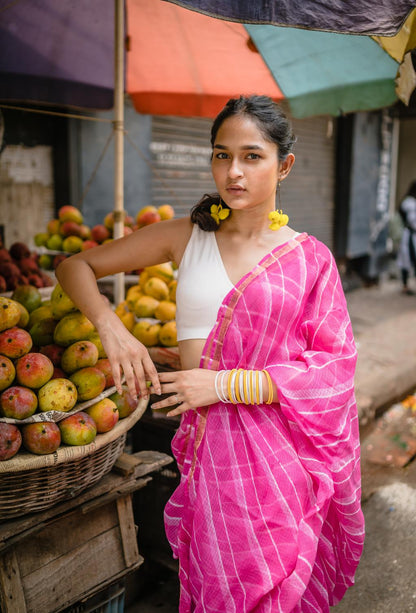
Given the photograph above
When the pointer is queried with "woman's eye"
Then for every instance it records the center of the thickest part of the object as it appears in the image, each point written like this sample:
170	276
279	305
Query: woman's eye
253	156
221	156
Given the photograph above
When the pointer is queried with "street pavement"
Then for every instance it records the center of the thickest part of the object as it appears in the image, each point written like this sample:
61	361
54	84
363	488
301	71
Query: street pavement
384	324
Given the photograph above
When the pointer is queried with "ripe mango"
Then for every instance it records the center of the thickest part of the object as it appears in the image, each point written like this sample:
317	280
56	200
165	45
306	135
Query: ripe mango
79	355
172	290
133	294
145	306
42	312
89	381
162	271
156	288
147	332
42	331
28	295
94	338
9	313
165	311
128	320
61	303
168	334
71	328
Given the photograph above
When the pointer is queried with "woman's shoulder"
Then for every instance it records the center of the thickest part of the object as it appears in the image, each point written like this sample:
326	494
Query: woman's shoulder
313	246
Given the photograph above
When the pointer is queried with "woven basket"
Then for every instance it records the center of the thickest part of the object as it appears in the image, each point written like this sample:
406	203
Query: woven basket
30	483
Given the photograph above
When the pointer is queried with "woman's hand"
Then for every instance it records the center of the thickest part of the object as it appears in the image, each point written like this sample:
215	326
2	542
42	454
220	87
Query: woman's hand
129	357
188	388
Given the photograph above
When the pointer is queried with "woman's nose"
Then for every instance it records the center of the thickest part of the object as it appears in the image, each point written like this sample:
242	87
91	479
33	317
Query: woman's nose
234	169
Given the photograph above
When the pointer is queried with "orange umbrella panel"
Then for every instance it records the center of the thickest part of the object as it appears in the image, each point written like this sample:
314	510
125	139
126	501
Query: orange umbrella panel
183	63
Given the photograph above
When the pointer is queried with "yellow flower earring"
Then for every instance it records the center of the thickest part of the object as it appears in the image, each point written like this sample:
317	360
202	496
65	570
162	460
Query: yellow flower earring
218	213
278	218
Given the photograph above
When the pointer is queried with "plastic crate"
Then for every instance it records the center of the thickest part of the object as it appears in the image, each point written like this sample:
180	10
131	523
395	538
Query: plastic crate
109	600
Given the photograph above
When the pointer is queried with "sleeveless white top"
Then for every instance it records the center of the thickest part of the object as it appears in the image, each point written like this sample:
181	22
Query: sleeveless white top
203	284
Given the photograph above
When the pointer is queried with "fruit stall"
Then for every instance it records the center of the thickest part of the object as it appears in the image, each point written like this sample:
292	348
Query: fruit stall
73	451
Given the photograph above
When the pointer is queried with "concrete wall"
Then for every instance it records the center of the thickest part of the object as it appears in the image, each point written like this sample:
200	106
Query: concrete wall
406	171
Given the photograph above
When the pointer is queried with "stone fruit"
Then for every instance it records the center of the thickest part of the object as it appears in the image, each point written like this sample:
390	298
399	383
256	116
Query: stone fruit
69	228
41	438
94	338
78	429
165	311
9	313
72	328
3	284
162	271
24	316
42	332
125	404
85	232
168	335
104	365
18	402
15	342
58	394
99	233
7	372
89	381
58	373
147	332
42	312
79	355
128	320
10	441
61	303
54	353
46	261
172	290
145	306
109	220
166	212
19	250
133	294
70	213
88	244
54	242
40	239
72	244
147	215
53	226
157	288
33	370
29	296
105	414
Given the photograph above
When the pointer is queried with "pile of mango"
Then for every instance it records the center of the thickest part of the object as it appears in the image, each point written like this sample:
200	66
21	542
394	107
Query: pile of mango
149	309
68	232
51	358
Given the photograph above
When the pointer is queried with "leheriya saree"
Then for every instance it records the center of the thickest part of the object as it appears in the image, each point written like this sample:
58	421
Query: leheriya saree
267	516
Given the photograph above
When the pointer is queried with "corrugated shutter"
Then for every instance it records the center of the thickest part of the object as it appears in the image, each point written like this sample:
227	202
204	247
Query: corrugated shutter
181	161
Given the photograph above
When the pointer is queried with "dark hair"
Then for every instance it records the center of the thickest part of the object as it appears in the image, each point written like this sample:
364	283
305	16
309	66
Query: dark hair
412	190
273	124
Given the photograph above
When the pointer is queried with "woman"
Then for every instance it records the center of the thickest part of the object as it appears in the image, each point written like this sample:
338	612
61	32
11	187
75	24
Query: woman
267	515
406	259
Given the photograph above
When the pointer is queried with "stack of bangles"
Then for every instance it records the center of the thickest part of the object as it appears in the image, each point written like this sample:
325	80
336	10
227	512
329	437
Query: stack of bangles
242	386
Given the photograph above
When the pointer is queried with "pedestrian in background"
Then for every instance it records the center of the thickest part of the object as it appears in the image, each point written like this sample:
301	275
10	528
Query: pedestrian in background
267	515
406	260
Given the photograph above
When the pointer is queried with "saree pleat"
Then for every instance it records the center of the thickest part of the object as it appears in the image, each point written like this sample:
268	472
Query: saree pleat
267	516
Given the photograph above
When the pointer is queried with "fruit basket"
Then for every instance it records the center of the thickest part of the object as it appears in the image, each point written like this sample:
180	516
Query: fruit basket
30	483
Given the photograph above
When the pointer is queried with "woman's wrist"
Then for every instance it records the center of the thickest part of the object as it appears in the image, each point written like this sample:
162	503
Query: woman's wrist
240	386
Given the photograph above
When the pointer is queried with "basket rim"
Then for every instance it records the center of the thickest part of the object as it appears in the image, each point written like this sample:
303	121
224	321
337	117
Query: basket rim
25	460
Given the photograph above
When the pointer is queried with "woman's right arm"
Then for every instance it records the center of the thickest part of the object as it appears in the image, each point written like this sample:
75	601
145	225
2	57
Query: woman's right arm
78	276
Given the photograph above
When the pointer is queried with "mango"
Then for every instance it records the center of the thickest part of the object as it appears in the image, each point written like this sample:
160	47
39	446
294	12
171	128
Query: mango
156	288
165	310
147	332
42	312
7	372
145	306
24	316
71	328
9	313
42	332
162	271
58	394
94	338
168	334
79	355
61	303
89	381
128	320
172	290
29	296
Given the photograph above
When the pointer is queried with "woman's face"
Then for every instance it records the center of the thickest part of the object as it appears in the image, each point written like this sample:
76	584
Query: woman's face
245	165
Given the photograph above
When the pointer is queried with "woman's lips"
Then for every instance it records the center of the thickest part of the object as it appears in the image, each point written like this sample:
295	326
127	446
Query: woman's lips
235	189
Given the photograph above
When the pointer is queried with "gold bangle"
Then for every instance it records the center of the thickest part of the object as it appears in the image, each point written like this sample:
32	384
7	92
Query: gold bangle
250	386
229	385
270	384
237	385
246	398
257	388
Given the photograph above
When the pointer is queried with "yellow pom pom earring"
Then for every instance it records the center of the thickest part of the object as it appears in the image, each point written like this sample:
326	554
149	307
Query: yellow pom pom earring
278	218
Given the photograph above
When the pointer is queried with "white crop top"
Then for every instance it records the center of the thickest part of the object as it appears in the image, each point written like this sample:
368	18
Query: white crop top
203	284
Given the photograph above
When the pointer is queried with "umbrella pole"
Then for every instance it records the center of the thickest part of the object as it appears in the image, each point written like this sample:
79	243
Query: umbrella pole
118	127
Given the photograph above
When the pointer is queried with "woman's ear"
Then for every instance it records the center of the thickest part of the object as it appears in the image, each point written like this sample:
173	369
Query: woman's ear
286	166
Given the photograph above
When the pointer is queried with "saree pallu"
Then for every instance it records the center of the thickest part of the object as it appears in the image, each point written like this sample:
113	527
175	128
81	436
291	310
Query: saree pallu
267	516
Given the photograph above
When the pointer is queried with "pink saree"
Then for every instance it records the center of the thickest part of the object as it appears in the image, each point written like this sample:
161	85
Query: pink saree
267	517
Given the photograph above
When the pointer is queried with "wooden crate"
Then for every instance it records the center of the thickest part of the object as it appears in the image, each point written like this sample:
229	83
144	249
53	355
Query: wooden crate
53	559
